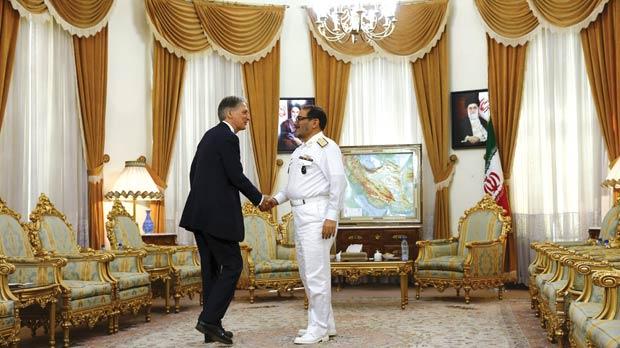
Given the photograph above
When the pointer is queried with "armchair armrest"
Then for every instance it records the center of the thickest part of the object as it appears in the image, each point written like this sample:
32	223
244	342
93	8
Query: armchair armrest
479	253
185	255
610	281
40	271
88	268
128	261
158	257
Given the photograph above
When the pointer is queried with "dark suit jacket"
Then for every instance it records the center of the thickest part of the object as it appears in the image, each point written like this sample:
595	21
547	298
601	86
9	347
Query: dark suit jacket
216	177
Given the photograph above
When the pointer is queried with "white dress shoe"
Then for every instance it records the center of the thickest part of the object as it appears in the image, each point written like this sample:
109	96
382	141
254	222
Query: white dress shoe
330	332
310	339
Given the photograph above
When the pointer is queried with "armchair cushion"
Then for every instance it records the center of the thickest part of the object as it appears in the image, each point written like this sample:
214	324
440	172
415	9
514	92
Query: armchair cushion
39	275
189	271
604	333
155	259
7	309
275	265
14	240
183	257
134	292
128	280
86	289
443	263
88	302
277	275
55	235
7	322
77	269
431	273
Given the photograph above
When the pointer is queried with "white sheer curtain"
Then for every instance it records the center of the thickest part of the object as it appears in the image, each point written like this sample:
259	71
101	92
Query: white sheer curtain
207	80
559	154
41	138
381	109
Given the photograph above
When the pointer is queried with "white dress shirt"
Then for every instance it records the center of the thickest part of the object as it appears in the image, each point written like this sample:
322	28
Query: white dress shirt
324	174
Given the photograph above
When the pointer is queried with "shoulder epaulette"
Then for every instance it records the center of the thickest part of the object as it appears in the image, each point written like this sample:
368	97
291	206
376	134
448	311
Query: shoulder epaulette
322	142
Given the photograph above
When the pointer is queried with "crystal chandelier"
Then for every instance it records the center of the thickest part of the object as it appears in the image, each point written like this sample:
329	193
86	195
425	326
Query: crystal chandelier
340	20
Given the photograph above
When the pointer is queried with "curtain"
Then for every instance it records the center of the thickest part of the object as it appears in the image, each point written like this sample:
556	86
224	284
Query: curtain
41	138
208	80
91	65
9	24
331	77
430	76
168	72
380	107
602	52
559	154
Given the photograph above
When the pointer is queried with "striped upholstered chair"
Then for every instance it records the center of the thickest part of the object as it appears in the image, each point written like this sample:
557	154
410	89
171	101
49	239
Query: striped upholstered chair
472	260
267	264
133	290
9	307
176	264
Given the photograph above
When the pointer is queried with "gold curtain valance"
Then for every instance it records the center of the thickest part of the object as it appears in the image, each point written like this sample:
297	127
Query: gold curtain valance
514	22
82	18
242	33
419	27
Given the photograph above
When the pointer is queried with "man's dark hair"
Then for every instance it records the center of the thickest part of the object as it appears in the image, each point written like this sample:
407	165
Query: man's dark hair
318	113
226	104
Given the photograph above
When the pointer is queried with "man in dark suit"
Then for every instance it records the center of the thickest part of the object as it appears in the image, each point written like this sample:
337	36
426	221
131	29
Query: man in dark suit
213	212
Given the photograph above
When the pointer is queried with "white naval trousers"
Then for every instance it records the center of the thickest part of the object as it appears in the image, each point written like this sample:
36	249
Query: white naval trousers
314	268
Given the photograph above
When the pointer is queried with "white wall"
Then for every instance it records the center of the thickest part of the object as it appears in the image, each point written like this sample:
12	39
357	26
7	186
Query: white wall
128	125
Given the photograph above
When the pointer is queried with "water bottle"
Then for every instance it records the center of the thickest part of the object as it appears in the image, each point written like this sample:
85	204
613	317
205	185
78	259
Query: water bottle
404	249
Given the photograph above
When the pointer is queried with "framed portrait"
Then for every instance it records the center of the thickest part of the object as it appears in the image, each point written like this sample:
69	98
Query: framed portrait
287	115
384	185
470	115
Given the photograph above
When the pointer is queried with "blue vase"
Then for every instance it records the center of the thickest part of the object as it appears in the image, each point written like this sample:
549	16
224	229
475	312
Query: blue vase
147	226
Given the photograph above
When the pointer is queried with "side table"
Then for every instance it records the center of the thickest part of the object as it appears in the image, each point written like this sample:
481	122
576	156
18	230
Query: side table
160	238
354	270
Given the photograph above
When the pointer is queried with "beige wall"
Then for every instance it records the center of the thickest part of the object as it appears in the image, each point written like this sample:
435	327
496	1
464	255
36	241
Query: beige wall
128	125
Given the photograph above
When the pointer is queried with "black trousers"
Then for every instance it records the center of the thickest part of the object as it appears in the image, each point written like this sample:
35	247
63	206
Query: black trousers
221	266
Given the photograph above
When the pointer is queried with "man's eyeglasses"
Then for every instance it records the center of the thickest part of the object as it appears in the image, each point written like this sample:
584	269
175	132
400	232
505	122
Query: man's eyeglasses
301	118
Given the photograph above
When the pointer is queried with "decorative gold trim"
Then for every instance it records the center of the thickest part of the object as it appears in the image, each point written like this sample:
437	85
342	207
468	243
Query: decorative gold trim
287	219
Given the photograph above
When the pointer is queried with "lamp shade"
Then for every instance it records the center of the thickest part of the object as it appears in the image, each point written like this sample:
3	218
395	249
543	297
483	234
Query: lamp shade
613	178
135	182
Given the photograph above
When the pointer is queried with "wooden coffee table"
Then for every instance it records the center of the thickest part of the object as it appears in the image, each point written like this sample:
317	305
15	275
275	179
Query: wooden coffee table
354	270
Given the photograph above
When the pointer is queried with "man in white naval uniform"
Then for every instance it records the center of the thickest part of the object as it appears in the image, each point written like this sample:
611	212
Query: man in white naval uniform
316	184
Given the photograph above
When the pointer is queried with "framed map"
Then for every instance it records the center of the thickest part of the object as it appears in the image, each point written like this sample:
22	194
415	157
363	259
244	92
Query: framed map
384	185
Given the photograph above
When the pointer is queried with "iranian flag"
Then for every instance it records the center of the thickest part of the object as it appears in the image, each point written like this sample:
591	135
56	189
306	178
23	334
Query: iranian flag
493	173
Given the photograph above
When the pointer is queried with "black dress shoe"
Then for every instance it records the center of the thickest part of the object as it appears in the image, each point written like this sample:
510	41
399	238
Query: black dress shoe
202	327
227	333
214	332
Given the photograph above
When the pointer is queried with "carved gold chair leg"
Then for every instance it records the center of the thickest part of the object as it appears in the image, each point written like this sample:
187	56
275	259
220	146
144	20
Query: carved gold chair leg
66	325
500	292
167	295
111	325
418	289
177	301
147	314
458	292
15	343
251	289
52	324
467	288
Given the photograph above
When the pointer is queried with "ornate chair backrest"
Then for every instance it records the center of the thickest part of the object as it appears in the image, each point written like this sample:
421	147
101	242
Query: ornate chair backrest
287	228
122	229
260	233
14	238
610	229
53	228
483	222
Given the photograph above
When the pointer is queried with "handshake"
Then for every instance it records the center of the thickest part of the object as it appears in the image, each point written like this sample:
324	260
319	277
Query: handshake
267	204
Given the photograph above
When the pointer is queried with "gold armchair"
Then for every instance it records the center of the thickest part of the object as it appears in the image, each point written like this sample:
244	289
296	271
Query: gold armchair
57	238
473	260
37	279
178	264
266	263
9	307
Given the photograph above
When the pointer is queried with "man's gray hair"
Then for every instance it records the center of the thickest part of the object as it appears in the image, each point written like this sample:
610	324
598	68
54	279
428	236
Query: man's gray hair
226	104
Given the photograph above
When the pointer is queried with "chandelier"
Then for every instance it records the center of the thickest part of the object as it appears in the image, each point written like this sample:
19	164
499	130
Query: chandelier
340	20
